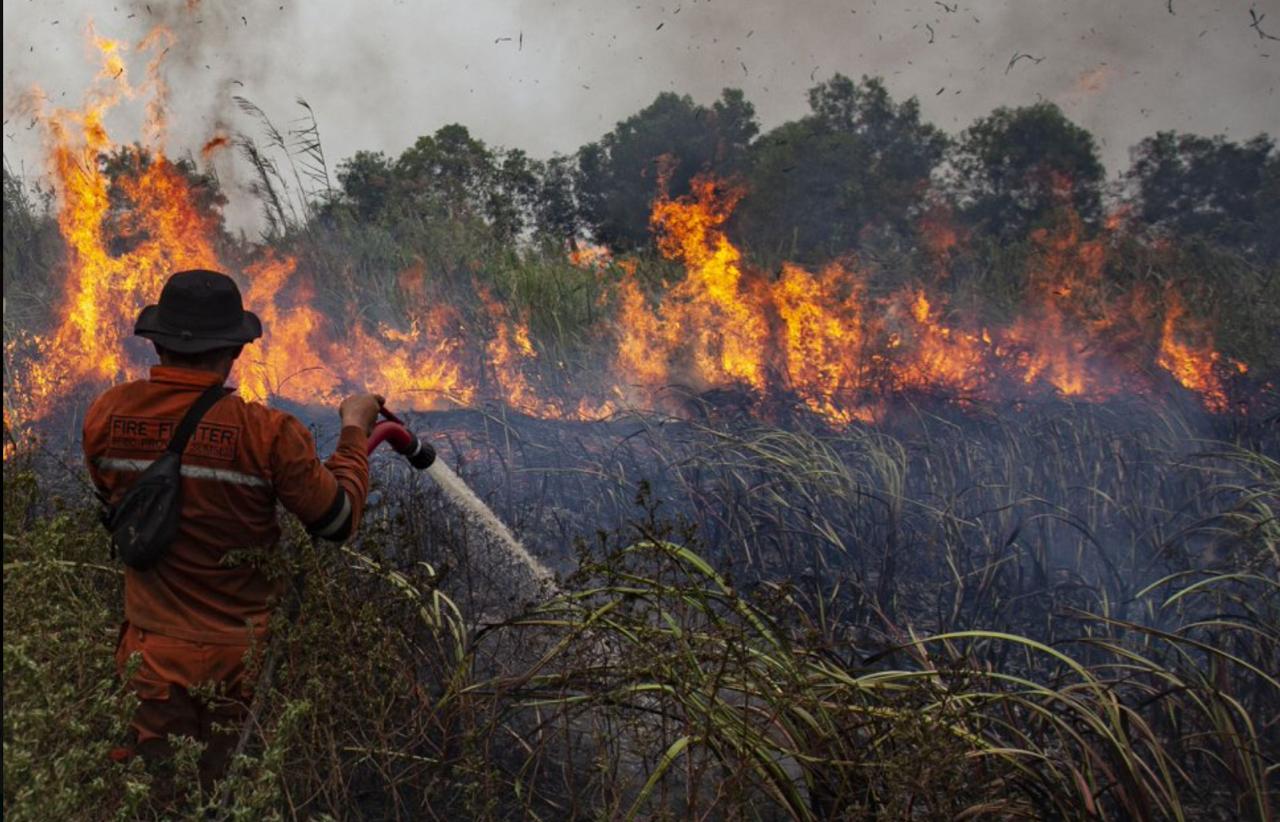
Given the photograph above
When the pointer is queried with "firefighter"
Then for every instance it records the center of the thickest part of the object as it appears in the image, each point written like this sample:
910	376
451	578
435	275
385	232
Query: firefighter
196	618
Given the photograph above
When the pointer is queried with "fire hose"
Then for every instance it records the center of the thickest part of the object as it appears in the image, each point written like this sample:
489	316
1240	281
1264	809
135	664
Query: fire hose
420	455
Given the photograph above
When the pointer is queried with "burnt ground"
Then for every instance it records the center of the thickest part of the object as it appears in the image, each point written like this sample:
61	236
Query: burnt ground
1096	499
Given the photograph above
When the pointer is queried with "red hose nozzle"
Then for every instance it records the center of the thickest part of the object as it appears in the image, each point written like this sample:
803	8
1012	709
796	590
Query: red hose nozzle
419	453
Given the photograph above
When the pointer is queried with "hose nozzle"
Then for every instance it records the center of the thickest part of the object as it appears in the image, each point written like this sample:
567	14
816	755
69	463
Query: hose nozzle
420	454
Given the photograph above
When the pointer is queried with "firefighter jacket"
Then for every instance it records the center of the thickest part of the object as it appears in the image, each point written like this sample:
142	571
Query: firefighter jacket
242	460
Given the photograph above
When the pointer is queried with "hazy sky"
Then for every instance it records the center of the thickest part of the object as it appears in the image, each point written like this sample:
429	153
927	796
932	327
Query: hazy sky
549	75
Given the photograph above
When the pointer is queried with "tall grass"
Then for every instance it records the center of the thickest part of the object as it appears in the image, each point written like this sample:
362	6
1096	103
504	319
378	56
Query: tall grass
1054	615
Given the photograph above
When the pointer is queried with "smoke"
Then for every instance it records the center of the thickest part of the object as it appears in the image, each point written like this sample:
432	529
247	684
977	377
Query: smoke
1093	80
550	75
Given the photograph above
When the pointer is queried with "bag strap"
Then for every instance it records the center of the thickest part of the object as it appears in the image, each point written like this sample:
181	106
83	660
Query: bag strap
189	422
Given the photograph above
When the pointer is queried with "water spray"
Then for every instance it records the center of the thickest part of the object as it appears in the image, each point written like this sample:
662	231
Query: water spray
422	456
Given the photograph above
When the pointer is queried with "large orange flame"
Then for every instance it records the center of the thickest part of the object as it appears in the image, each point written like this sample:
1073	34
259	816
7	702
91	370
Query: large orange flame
105	290
711	314
825	339
838	348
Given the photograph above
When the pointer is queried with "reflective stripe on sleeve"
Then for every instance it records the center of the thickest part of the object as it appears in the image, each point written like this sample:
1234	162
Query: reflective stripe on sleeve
336	521
188	471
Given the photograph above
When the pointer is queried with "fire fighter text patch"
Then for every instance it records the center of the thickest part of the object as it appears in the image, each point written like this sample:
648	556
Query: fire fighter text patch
219	442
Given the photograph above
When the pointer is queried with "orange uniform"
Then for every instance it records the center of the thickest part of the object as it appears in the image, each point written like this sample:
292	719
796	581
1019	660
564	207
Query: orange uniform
242	459
192	617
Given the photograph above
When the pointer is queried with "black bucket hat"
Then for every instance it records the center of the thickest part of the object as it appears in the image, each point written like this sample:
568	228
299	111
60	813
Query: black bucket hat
198	311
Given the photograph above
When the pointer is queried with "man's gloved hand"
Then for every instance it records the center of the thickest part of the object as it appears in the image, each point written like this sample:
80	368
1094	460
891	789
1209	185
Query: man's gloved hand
360	410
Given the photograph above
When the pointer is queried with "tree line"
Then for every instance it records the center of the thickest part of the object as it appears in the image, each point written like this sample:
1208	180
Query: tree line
859	168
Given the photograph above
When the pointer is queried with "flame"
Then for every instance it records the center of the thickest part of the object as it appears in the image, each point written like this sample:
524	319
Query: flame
1070	329
105	290
937	355
643	350
507	352
303	358
1186	352
826	339
418	367
590	255
940	235
711	310
288	361
837	348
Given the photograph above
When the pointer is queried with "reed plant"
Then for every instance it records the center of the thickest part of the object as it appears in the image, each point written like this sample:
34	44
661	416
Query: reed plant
1055	615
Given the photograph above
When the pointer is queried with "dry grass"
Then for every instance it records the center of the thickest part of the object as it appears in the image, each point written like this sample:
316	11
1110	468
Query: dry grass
1052	615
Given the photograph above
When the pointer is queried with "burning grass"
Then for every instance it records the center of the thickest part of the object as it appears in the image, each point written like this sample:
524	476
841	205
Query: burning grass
566	336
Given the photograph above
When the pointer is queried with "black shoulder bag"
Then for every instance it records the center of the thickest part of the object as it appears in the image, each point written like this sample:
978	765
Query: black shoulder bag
144	523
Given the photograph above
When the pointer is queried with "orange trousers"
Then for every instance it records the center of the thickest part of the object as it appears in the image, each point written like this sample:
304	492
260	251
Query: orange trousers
169	670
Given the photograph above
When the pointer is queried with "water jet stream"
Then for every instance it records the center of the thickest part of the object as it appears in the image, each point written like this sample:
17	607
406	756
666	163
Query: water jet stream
423	457
461	495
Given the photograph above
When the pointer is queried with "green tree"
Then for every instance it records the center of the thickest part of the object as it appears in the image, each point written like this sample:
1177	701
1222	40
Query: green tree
859	161
556	217
619	176
1015	167
512	193
367	181
1214	188
446	174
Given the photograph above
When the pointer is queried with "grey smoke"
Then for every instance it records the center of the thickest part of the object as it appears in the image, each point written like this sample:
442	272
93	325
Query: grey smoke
380	74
